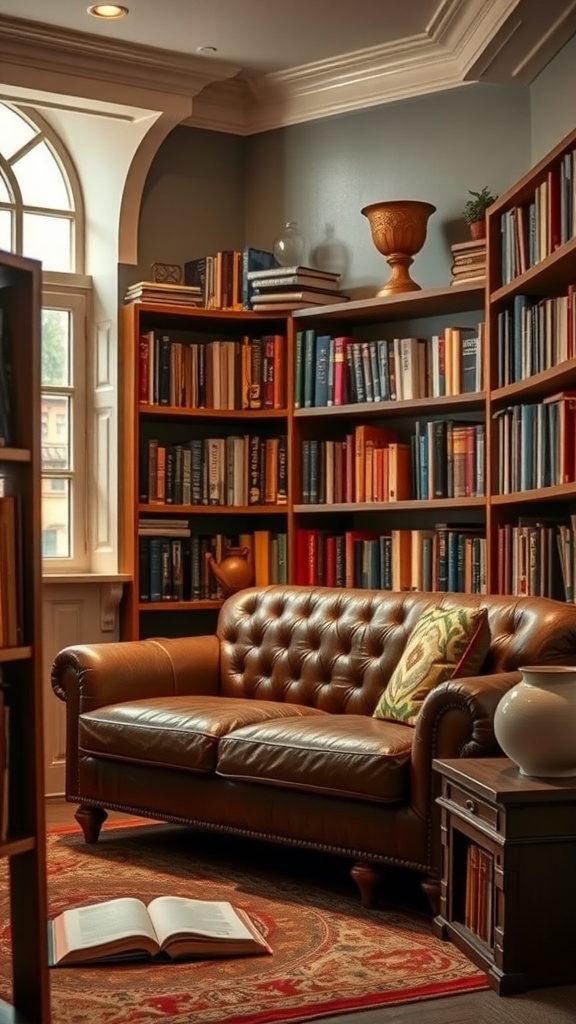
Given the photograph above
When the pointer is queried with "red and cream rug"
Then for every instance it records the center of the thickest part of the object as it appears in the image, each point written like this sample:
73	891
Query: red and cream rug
331	956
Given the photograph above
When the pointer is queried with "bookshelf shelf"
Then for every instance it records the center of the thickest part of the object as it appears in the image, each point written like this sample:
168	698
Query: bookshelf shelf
404	407
211	510
183	606
413	305
15	454
21	722
437	504
15	654
166	411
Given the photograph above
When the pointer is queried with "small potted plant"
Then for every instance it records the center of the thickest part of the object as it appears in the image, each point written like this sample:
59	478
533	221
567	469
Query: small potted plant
475	210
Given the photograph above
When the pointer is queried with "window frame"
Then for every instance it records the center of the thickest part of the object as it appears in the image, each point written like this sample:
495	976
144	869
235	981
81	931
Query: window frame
73	293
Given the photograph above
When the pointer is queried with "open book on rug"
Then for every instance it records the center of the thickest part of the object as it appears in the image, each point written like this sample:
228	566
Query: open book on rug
170	926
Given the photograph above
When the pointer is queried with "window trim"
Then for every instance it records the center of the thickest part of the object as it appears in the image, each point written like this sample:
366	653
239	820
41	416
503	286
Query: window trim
73	293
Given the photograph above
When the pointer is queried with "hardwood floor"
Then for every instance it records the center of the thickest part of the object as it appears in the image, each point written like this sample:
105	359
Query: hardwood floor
539	1006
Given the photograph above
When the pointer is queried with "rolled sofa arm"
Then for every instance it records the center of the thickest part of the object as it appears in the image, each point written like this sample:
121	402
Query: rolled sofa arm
456	720
93	675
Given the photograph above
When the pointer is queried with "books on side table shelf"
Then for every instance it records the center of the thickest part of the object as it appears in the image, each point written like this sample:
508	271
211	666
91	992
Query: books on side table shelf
297	287
468	261
152	291
169	927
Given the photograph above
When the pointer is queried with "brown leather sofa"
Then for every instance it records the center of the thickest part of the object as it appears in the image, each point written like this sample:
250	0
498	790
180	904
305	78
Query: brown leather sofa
265	729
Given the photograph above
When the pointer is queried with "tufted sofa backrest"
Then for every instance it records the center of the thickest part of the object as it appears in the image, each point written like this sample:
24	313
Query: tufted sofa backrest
336	649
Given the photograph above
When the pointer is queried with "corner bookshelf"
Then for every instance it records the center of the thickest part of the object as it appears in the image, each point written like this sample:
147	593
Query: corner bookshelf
531	337
238	474
396	533
22	841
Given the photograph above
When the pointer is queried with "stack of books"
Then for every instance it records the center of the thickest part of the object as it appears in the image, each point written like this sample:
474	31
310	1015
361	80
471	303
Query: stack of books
171	294
468	261
287	288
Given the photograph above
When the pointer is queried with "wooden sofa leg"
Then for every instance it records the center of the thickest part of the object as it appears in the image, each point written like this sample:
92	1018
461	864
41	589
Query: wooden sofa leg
431	888
367	877
91	820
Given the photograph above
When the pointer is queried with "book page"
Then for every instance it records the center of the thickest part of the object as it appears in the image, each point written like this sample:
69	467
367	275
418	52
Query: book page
101	924
174	915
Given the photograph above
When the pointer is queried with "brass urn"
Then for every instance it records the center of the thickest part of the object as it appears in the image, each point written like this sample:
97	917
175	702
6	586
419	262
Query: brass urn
399	231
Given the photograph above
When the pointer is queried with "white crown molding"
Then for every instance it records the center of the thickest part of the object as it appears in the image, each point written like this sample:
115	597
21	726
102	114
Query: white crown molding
80	55
464	42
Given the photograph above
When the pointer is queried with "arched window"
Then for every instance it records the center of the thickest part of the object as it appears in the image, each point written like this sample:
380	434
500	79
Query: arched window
41	216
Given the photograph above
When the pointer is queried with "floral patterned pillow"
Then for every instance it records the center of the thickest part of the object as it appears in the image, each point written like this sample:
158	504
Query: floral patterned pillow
446	643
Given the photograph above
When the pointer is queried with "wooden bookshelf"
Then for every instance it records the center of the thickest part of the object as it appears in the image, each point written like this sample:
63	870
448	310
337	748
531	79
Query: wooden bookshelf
229	512
23	843
531	342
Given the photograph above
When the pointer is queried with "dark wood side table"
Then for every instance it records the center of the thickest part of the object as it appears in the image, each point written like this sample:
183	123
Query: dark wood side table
508	890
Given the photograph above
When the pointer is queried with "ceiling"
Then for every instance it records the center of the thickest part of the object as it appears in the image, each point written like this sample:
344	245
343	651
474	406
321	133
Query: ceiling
276	62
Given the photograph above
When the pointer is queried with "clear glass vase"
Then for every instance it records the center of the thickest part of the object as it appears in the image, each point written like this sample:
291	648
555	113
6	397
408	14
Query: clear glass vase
289	246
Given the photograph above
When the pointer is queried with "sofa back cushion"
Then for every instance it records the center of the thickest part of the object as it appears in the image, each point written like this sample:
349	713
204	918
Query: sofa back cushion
336	649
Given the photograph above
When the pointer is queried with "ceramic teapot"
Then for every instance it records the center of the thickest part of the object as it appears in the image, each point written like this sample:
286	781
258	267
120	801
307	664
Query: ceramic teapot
235	571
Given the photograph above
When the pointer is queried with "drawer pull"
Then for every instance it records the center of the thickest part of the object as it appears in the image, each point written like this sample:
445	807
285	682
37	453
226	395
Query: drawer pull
470	806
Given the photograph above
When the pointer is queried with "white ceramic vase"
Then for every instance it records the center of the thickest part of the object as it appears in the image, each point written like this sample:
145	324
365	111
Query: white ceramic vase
535	721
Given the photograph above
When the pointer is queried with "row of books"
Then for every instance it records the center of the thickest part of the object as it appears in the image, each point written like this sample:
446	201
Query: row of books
237	470
176	567
537	444
443	459
479	899
532	231
536	557
535	335
447	558
342	370
222	277
468	261
218	374
296	287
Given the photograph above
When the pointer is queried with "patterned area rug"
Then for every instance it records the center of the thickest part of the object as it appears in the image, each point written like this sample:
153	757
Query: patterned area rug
331	956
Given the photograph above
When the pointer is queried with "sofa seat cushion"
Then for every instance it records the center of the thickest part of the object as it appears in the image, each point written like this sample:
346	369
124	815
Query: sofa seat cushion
340	755
175	732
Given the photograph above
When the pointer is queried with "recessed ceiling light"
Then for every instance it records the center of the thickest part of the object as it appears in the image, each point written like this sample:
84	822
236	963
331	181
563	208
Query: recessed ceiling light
206	49
108	11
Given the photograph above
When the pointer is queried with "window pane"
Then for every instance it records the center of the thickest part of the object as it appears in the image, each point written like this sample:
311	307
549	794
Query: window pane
15	132
55	419
40	179
55	517
6	230
56	340
48	239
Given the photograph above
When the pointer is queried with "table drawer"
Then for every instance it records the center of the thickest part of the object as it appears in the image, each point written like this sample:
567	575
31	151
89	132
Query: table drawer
473	807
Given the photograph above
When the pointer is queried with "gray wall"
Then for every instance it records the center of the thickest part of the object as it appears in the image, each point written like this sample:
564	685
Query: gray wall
436	148
209	191
193	201
552	102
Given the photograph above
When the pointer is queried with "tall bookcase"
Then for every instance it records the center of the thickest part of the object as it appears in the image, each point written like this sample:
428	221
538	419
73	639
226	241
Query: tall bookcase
23	829
531	335
496	514
238	488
